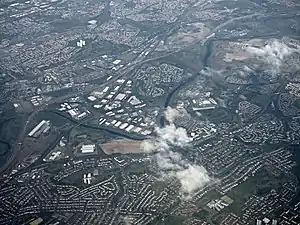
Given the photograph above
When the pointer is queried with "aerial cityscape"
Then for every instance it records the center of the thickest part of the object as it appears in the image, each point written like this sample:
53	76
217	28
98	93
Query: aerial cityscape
150	112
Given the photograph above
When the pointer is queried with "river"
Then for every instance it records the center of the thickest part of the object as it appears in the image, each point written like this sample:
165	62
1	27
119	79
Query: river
207	48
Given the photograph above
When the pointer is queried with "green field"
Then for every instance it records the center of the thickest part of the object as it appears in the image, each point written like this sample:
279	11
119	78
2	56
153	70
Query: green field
227	199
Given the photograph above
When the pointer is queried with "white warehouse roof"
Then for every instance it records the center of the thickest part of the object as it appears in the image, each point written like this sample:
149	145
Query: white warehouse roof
88	148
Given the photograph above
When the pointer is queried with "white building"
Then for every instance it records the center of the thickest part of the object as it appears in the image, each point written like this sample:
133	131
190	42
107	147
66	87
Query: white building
116	62
92	98
88	148
80	43
120	97
39	128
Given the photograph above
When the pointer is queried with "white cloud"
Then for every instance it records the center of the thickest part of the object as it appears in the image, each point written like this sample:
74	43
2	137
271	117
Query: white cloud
192	178
171	114
166	163
166	137
173	135
274	53
210	72
152	145
172	164
247	69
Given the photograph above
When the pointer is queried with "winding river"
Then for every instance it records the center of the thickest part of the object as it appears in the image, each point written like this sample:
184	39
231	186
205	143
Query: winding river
208	51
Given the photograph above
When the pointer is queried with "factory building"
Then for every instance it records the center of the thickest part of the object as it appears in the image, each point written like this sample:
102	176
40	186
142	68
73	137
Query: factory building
42	127
88	149
80	43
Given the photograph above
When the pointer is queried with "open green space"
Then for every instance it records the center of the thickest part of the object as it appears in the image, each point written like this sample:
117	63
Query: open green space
218	115
201	214
257	99
136	169
227	199
297	103
211	195
173	220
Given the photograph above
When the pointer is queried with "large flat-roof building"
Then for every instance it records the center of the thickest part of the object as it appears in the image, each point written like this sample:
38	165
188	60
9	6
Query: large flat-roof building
88	148
43	126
